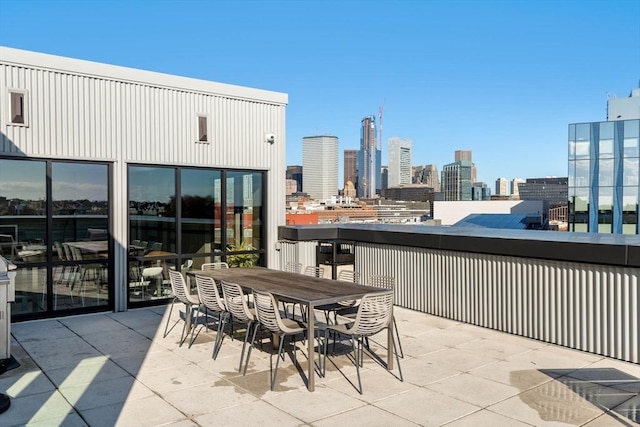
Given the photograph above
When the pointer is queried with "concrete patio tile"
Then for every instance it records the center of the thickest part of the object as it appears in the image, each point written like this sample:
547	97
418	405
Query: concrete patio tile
103	393
69	420
92	325
33	331
176	378
42	407
629	409
310	407
120	341
377	384
451	337
59	353
609	420
476	390
420	373
210	397
495	347
155	361
366	416
426	407
523	375
457	359
257	413
632	369
183	423
486	418
547	358
147	412
27	384
549	404
86	371
419	346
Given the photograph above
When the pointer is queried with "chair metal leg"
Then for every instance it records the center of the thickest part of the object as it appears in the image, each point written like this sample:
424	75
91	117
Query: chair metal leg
222	320
275	371
244	345
166	328
395	327
356	352
397	358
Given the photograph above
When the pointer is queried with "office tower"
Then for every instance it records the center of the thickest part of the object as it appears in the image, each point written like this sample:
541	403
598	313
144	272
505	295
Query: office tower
399	161
553	190
480	191
456	181
465	155
295	173
624	108
428	175
291	186
514	187
369	160
603	176
320	166
350	170
384	177
501	187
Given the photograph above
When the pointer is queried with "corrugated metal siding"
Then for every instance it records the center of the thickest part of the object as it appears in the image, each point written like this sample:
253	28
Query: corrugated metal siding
583	306
93	117
302	252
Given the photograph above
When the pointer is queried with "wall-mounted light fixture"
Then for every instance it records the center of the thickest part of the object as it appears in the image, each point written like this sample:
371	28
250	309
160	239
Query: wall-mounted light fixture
270	138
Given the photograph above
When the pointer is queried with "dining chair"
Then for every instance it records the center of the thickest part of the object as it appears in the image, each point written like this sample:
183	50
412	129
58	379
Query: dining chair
269	319
212	301
237	306
375	313
292	267
343	276
87	273
314	271
214	265
181	294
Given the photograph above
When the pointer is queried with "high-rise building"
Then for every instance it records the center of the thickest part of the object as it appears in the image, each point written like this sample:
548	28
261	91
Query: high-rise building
295	173
369	160
456	181
466	155
604	169
514	187
399	161
480	191
603	176
350	170
427	174
384	177
320	166
501	187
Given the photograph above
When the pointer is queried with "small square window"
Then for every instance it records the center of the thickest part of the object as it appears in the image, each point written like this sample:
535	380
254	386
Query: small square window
202	129
17	107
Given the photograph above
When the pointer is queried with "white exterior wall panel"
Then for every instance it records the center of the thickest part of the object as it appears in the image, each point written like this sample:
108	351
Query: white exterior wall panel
82	110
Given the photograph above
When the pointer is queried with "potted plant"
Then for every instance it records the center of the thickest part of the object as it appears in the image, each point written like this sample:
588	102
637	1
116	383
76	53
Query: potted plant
242	259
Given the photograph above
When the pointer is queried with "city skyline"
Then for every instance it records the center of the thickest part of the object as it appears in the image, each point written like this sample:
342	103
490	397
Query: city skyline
502	79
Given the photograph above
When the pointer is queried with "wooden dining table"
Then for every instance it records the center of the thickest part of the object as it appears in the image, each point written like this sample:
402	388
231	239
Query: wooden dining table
298	288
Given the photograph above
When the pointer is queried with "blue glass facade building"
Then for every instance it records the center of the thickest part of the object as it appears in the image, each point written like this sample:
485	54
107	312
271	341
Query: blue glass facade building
604	166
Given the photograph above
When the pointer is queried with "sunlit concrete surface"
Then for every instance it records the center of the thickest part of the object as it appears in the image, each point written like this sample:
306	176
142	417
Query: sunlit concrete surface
117	369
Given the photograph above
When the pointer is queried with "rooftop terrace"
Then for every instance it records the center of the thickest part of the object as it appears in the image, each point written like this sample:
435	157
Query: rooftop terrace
116	369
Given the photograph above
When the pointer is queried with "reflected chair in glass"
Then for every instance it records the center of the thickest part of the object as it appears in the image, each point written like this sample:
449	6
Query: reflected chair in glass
375	314
236	303
269	319
87	273
156	246
153	274
182	294
212	301
214	265
63	275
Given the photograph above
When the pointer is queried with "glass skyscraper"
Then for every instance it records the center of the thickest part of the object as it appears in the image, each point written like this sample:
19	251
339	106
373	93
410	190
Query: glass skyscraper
604	165
369	160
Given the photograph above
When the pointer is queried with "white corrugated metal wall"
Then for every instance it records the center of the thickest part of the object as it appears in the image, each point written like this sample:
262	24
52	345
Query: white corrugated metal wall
588	307
87	111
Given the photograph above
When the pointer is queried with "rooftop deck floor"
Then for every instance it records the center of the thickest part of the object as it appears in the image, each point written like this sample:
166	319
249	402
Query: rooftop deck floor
117	369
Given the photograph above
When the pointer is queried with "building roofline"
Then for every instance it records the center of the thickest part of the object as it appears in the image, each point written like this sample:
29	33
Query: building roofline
63	64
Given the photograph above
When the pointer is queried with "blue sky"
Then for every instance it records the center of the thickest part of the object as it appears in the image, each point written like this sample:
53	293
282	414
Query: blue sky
500	78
